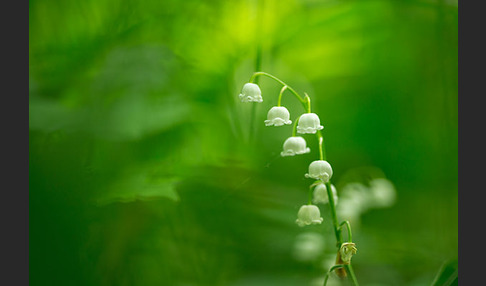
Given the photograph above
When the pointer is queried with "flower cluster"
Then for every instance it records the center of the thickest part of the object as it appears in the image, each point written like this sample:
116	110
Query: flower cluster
320	170
358	197
307	123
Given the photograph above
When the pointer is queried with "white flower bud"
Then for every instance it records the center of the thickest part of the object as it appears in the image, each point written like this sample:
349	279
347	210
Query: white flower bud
308	246
278	116
383	192
294	146
320	170
353	202
308	214
347	250
320	194
309	123
251	93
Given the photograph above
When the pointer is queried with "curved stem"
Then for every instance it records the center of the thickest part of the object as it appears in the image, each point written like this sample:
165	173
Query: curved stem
348	226
280	95
350	271
318	182
307	97
256	74
321	153
322	150
294	130
330	271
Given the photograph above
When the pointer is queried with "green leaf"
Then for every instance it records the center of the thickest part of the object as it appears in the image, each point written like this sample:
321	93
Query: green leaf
448	274
139	185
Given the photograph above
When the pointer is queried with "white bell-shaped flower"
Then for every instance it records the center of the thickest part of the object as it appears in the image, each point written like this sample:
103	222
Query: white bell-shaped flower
383	192
354	201
294	145
308	214
278	116
309	123
251	93
320	170
308	246
320	194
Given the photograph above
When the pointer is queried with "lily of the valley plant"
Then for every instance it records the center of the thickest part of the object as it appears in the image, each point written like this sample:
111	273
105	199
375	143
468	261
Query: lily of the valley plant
321	191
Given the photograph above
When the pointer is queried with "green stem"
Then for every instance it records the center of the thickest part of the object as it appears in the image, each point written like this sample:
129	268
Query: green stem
350	271
259	37
280	95
337	230
321	153
330	271
258	66
258	61
307	97
257	74
322	150
348	226
332	204
294	130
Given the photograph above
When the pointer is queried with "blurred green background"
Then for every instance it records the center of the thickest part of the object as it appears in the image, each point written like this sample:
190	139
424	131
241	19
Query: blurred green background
145	169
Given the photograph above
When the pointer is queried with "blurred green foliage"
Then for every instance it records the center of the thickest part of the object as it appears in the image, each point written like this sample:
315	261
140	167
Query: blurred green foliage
145	169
